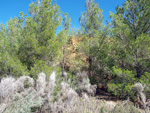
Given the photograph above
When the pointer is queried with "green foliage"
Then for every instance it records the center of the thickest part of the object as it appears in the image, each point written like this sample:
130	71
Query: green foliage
71	80
145	79
77	65
40	40
130	49
56	92
122	84
95	31
9	62
26	84
57	87
125	107
91	20
30	45
11	65
131	34
40	66
24	104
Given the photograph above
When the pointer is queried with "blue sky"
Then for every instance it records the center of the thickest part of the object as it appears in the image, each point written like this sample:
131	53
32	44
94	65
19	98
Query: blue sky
11	8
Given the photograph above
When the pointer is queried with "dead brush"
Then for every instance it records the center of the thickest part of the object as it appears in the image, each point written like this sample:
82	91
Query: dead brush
140	89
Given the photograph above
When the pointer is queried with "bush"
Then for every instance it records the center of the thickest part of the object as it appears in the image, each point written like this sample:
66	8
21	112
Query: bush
83	85
122	83
57	87
7	89
40	66
10	65
125	107
22	104
145	80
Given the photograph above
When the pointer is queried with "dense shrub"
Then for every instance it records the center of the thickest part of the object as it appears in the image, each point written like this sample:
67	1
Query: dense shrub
122	83
22	104
126	107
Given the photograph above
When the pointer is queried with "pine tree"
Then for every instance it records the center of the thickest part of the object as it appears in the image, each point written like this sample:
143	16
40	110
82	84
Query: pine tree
40	42
66	28
10	43
130	46
131	27
91	25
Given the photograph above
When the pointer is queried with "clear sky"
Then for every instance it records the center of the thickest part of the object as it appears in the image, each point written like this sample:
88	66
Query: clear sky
11	8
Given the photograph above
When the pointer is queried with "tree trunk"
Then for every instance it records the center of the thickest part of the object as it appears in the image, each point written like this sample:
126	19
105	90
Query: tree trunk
63	63
138	71
90	59
90	66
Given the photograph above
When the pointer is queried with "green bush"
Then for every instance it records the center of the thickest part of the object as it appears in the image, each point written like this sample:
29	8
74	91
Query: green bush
40	66
125	107
122	83
10	65
145	79
57	88
22	104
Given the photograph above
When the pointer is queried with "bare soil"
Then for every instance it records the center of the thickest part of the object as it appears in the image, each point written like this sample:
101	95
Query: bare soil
104	95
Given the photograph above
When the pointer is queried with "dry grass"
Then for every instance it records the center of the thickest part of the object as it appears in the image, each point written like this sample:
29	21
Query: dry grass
93	105
7	89
41	84
16	98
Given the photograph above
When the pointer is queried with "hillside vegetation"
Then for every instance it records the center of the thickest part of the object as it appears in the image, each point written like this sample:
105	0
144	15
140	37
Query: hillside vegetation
49	71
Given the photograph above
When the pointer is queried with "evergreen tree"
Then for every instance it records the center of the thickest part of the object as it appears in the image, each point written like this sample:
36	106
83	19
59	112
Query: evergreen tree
40	44
131	26
31	42
10	43
91	25
66	28
130	46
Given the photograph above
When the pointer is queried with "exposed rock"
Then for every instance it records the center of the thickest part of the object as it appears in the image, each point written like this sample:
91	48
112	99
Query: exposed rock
66	88
71	97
